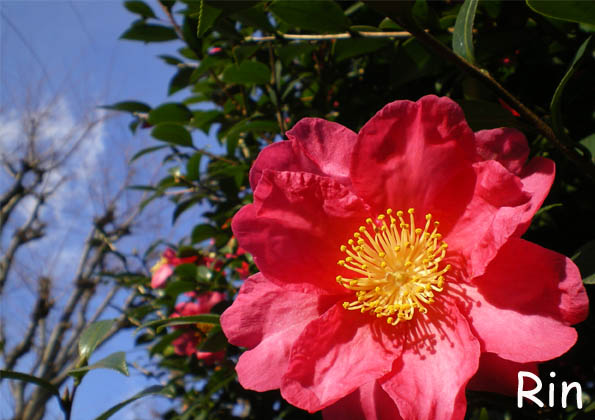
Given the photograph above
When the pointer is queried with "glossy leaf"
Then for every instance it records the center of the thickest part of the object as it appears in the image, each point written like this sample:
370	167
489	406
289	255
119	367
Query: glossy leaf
140	8
115	361
247	73
462	37
149	33
155	389
324	16
92	336
170	113
172	133
571	10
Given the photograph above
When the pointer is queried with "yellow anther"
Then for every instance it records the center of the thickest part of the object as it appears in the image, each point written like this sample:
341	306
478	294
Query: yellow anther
397	268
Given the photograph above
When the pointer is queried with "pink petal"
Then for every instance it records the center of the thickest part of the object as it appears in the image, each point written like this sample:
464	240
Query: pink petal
296	226
416	154
207	300
267	319
160	276
210	358
502	207
336	354
535	290
317	146
429	382
498	375
506	145
368	402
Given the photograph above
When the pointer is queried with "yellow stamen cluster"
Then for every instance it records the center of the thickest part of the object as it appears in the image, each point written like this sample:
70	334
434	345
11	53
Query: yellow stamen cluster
396	265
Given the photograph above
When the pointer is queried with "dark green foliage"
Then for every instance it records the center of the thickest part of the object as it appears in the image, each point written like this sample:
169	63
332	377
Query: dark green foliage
245	83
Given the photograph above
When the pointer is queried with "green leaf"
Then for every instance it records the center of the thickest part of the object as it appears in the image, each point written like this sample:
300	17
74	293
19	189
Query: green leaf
247	73
254	126
589	144
483	414
145	151
324	16
193	167
207	15
182	320
172	133
483	115
204	119
115	361
462	38
128	106
180	80
149	33
140	8
92	336
9	374
170	113
348	48
165	342
572	10
584	258
555	105
155	389
203	232
214	341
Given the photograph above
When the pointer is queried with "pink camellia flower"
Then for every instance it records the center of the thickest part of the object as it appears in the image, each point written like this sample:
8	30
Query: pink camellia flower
165	267
186	344
393	275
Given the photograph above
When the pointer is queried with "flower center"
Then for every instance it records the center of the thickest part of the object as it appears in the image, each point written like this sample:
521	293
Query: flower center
396	266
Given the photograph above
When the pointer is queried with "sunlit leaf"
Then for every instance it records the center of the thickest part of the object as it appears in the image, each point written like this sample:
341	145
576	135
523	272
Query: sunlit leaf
115	361
92	336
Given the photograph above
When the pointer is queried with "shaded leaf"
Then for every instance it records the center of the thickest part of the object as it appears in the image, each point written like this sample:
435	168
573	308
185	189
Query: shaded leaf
140	8
180	80
247	73
182	320
92	336
555	105
206	16
584	258
571	10
149	33
155	389
214	341
172	133
462	38
9	374
128	106
170	113
203	232
482	115
324	16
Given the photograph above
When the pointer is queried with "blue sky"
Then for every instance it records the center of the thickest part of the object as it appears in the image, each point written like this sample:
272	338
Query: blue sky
71	49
